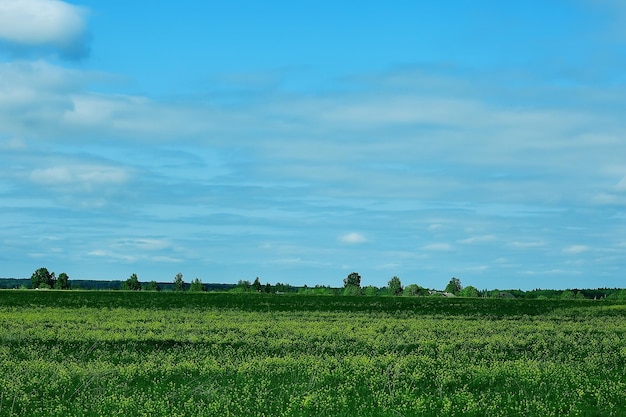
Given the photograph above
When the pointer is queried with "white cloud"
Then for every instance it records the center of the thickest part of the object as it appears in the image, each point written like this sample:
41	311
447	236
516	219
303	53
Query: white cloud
477	239
135	250
51	102
443	247
84	176
43	23
353	238
139	116
477	269
34	97
101	253
527	245
576	249
166	259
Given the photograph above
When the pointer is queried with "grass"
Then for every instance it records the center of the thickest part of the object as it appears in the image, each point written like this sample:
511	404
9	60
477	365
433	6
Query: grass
217	354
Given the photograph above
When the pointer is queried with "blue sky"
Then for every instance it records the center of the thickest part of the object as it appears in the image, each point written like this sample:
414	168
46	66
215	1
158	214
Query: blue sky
301	141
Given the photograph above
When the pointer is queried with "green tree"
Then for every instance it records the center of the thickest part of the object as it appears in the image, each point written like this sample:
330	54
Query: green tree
256	285
153	286
280	287
469	291
415	290
268	288
352	280
395	286
63	282
179	283
454	286
352	284
42	278
132	283
244	285
370	290
196	285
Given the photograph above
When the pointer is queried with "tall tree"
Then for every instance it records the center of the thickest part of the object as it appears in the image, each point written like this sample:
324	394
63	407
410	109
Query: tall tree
179	284
352	280
256	285
352	284
196	285
395	286
132	283
454	286
42	278
63	282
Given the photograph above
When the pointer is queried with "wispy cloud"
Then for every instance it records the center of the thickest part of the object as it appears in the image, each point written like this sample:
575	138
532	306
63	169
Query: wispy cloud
112	256
134	250
82	176
527	244
576	249
353	238
477	239
144	244
438	247
477	269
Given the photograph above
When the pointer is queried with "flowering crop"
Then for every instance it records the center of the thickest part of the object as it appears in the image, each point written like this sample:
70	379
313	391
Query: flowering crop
135	354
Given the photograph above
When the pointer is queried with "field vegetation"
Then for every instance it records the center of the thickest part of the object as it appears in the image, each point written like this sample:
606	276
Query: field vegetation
131	353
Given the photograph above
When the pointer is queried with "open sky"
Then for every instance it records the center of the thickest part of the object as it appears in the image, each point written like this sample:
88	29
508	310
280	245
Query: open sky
300	141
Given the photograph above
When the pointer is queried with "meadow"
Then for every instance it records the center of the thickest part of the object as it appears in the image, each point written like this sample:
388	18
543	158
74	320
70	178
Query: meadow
115	353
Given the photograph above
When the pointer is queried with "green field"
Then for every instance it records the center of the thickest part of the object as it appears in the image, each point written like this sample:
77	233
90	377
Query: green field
78	353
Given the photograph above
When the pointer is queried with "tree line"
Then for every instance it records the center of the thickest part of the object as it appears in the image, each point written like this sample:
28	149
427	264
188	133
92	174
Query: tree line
44	279
454	288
